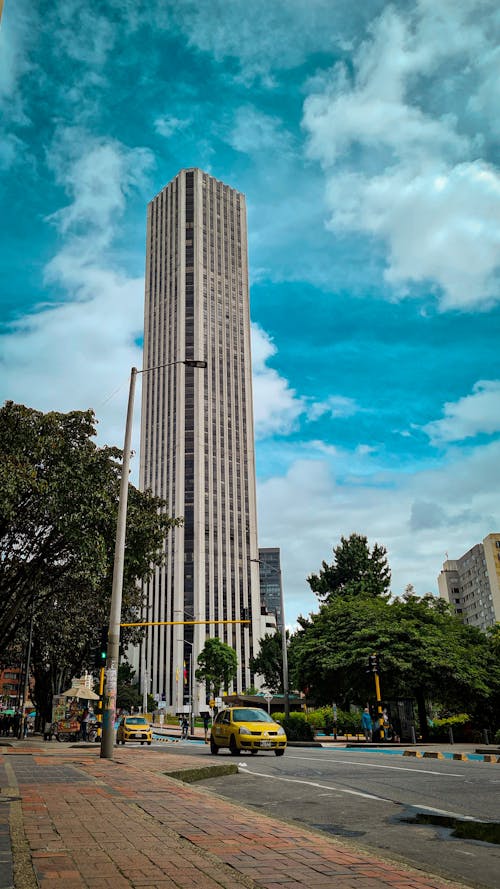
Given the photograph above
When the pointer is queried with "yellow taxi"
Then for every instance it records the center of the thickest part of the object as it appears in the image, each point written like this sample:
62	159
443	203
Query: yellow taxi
134	728
246	728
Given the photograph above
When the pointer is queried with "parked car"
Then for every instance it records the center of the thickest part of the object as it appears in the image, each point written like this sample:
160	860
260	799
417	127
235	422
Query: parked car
134	728
246	728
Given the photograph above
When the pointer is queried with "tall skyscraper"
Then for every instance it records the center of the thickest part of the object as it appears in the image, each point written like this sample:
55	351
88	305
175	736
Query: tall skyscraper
197	444
270	581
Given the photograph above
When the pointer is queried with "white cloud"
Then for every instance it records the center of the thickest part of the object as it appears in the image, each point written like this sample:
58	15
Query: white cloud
167	125
98	174
417	517
268	37
75	354
469	416
81	33
276	406
254	131
12	150
17	34
419	184
323	448
335	406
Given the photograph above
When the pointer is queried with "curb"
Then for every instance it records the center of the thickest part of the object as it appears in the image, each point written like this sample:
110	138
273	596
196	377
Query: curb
190	776
458	757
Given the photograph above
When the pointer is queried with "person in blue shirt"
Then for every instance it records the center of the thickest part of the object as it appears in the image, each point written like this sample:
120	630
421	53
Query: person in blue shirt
366	722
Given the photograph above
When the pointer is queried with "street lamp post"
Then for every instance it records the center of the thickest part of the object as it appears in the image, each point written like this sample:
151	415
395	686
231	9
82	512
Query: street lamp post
284	649
191	684
113	650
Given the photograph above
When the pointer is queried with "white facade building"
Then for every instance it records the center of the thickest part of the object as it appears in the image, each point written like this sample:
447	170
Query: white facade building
197	439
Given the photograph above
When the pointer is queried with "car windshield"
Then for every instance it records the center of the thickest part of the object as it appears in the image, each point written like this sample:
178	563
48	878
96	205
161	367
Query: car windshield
136	720
247	715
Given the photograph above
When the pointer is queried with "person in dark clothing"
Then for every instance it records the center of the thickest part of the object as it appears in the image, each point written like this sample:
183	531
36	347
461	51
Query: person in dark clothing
206	725
16	723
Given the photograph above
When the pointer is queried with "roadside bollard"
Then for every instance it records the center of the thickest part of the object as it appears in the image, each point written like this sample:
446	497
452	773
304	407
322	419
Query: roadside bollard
450	734
485	736
413	735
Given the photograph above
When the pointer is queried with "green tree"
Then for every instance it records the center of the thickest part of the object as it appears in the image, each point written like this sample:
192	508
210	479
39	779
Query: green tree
424	652
58	506
355	570
128	695
268	662
217	666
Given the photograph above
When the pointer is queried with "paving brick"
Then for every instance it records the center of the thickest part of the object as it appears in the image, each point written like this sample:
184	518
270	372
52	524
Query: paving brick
95	824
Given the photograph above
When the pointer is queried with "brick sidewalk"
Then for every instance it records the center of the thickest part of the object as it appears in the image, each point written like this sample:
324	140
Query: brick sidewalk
100	824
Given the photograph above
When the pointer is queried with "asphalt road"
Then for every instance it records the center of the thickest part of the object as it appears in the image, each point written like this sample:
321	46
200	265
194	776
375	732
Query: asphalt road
368	798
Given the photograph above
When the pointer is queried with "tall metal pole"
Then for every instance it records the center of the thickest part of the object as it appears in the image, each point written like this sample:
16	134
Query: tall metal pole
27	665
145	679
113	651
379	705
284	653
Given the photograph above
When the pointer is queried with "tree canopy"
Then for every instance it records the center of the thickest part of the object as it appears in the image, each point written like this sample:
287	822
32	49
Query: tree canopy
58	507
217	665
268	662
424	652
355	570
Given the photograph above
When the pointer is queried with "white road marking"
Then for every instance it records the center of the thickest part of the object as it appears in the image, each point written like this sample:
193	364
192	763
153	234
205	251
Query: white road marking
450	814
372	765
248	771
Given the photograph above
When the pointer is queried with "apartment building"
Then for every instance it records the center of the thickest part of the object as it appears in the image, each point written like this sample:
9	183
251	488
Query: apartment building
471	583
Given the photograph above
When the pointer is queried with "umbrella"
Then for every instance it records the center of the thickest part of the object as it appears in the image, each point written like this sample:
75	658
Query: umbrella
79	691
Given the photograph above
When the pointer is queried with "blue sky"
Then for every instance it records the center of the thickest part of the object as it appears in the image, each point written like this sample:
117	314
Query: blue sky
367	142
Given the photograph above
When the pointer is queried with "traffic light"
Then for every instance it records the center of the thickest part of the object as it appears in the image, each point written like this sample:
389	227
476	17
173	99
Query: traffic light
373	664
100	651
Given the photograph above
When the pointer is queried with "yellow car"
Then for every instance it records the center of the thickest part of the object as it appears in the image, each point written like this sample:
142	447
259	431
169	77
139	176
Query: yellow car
134	728
246	728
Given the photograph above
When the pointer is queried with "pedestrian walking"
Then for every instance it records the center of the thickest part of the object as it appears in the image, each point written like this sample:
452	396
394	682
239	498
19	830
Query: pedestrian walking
184	728
16	724
84	724
206	725
366	722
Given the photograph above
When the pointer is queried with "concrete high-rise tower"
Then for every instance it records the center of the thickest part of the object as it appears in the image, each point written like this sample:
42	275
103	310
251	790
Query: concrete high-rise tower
197	444
471	583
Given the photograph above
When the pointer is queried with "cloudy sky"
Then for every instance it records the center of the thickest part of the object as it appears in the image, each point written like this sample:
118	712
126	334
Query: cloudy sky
366	137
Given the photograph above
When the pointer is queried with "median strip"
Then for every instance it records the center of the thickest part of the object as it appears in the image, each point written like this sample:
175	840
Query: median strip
189	776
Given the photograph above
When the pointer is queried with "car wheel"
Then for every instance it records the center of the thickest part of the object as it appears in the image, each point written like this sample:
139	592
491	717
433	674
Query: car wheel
142	742
149	743
233	747
279	752
213	747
